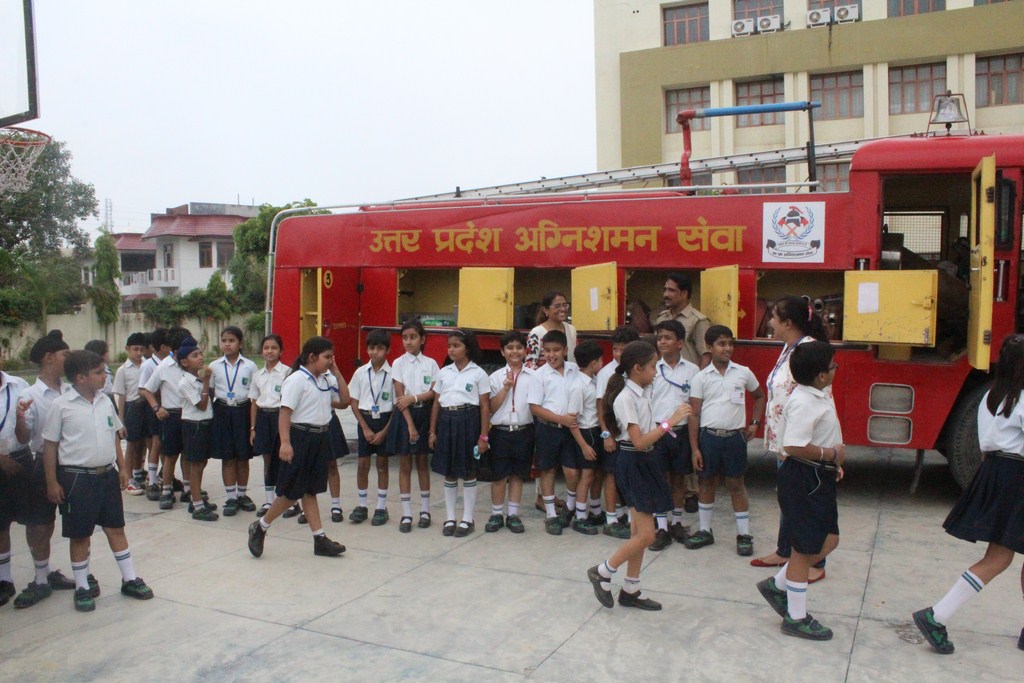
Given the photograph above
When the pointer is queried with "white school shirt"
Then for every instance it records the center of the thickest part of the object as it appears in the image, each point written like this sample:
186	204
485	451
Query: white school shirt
309	397
85	431
42	398
724	402
11	393
416	373
671	387
108	383
603	375
232	379
633	406
126	381
583	400
146	371
457	387
191	389
551	391
373	388
517	397
809	417
266	386
165	379
998	433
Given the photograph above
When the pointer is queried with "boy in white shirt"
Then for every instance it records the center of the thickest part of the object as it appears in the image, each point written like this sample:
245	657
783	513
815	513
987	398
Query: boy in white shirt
587	436
196	424
14	455
131	409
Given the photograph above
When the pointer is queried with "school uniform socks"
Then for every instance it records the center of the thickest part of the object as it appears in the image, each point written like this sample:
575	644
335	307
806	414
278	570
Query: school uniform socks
270	494
382	499
336	503
549	505
796	599
5	568
363	494
743	523
406	499
513	509
965	588
80	570
424	502
124	563
610	518
631	585
607	572
662	520
570	500
42	569
595	506
468	499
451	493
581	510
677	515
232	492
151	469
704	513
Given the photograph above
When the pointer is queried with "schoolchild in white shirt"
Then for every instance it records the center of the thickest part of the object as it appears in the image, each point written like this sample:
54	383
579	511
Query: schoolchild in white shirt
14	454
373	398
265	408
511	433
586	434
414	374
615	515
459	423
161	348
196	424
131	408
231	377
100	348
719	433
671	387
85	473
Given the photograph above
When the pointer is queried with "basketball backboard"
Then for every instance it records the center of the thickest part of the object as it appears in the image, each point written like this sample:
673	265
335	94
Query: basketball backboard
18	94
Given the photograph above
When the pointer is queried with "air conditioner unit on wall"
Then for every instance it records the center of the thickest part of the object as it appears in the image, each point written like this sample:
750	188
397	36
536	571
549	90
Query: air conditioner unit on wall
847	13
769	23
819	17
742	27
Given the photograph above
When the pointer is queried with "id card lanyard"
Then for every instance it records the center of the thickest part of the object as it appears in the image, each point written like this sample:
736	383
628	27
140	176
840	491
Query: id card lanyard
515	381
314	380
375	408
231	380
7	411
685	388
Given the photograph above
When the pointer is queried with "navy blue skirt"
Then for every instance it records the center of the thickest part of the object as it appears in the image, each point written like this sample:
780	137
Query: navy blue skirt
306	474
336	438
992	507
397	442
642	482
457	434
231	432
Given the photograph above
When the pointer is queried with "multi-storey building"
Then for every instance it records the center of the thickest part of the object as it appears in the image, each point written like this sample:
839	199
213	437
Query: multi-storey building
873	64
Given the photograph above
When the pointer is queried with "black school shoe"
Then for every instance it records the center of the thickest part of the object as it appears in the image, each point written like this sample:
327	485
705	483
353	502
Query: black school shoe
7	591
634	600
209	506
584	527
514	524
380	517
246	503
33	593
777	598
59	582
933	631
405	525
553	525
325	547
604	597
231	507
494	523
744	545
1020	642
661	541
699	539
337	515
678	532
424	522
257	534
153	492
358	514
449	528
464	529
292	511
136	588
83	600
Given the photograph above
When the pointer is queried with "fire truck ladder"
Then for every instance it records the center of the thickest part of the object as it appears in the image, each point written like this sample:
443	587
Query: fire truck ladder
662	172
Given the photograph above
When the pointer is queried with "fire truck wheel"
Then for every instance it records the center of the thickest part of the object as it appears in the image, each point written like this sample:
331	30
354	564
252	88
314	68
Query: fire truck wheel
962	451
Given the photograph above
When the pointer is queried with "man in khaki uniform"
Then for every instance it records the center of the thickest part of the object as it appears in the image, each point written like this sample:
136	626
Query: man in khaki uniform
678	307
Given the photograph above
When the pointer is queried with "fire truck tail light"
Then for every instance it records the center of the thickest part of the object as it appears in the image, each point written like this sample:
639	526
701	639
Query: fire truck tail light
889	430
891	398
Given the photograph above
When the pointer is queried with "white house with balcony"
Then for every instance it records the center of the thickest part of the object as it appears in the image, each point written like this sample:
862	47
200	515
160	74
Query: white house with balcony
187	245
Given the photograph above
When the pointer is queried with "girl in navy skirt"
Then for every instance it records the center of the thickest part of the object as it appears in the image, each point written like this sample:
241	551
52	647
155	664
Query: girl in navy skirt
413	376
307	403
992	507
265	408
459	421
639	472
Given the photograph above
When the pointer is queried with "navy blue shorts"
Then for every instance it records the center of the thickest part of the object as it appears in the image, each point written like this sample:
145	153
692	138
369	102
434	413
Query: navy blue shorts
23	496
90	500
152	421
555	446
511	452
591	436
170	434
457	434
336	441
306	474
676	454
195	439
607	460
375	424
723	455
398	435
135	420
807	499
231	437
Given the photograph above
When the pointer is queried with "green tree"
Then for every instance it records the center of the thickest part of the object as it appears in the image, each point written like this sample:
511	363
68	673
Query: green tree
105	295
40	221
53	285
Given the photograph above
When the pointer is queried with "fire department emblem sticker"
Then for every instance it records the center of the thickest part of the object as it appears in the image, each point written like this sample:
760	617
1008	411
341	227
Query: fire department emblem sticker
793	233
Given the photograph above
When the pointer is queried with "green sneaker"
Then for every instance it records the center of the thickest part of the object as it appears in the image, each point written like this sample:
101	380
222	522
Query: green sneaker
514	524
7	591
553	526
206	514
209	506
137	588
494	523
582	526
933	631
231	507
83	600
774	596
807	628
744	545
358	514
617	530
380	517
699	539
166	501
33	593
246	504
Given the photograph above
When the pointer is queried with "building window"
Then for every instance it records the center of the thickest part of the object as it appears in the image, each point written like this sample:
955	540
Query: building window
686	24
1000	80
752	9
206	254
168	256
911	88
905	8
841	95
225	250
759	176
830	4
686	98
834	177
759	92
696	179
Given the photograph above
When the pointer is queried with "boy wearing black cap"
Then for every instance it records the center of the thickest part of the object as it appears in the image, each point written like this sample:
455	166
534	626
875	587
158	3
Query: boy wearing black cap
131	408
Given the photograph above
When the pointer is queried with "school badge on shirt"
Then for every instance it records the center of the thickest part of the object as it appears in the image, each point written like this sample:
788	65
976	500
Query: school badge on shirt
110	421
469	387
245	381
385	396
426	380
277	388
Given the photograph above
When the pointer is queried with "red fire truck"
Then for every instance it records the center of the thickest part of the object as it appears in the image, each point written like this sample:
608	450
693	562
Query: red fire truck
916	268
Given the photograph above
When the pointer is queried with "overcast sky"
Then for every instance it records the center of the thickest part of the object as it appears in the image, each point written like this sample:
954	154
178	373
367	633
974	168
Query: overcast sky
162	103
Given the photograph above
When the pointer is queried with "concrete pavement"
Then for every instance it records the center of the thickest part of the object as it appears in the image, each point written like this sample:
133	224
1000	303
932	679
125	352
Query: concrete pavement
512	607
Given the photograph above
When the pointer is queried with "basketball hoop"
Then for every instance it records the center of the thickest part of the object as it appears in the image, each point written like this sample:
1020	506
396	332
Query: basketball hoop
19	150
